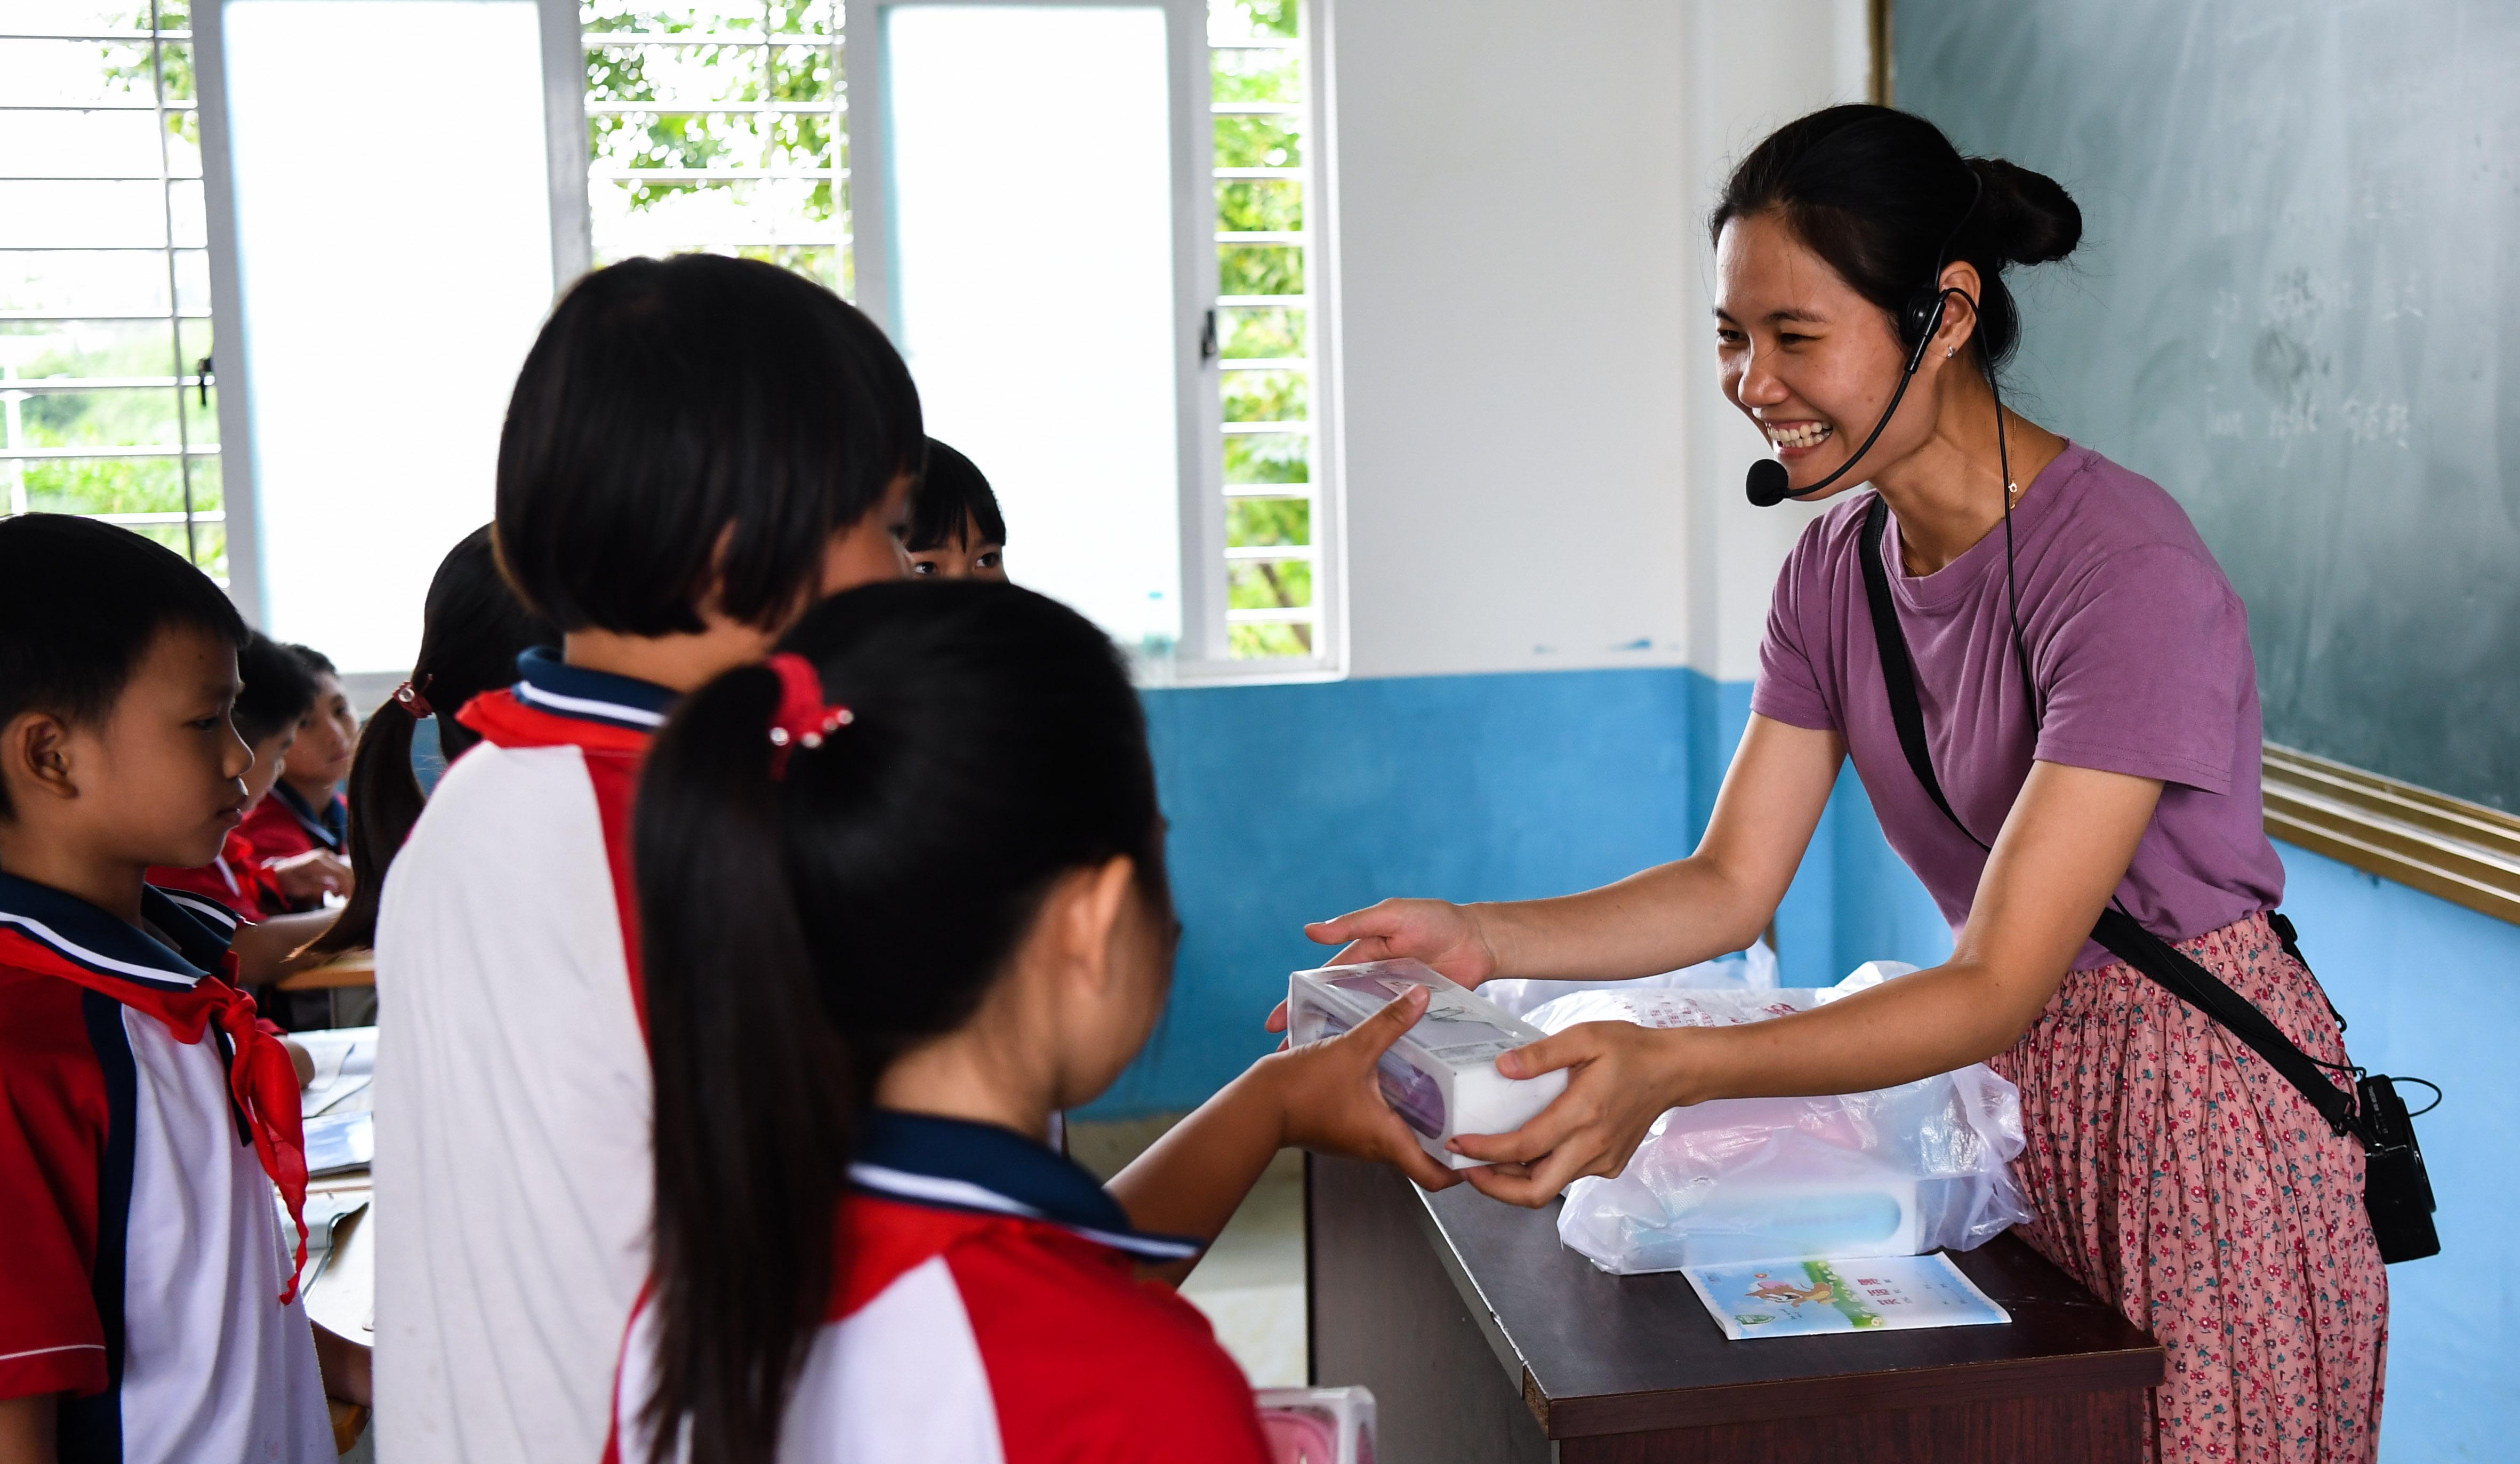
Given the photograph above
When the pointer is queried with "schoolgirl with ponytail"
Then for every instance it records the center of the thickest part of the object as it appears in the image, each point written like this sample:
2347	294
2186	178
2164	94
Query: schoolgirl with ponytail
905	899
473	628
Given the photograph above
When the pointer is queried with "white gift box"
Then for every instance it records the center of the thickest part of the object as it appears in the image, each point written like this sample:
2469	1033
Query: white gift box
1441	1076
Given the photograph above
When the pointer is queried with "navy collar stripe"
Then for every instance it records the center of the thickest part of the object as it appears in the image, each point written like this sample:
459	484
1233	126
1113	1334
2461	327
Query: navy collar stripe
963	1194
316	824
203	909
587	707
547	682
954	1163
103	965
173	954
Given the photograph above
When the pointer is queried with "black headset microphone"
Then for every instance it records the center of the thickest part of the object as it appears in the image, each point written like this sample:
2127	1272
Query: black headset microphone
1767	484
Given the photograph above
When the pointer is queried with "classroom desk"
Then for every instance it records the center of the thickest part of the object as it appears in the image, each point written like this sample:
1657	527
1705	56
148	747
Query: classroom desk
1486	1340
351	967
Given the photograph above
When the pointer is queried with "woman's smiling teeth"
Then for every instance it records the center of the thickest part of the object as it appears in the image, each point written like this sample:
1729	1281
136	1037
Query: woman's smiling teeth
1796	433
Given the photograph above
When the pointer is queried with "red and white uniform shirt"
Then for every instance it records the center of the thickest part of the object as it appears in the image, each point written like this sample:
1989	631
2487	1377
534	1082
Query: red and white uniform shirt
512	1078
232	887
284	824
145	1256
984	1310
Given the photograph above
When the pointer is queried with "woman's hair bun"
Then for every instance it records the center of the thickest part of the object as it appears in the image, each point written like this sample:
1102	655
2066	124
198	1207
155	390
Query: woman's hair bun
2029	218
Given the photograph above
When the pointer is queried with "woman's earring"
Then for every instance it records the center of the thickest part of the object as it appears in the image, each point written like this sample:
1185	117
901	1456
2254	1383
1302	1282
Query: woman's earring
1950	352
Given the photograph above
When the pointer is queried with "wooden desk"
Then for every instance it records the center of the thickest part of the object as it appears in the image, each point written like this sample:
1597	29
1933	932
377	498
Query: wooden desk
1486	1340
351	967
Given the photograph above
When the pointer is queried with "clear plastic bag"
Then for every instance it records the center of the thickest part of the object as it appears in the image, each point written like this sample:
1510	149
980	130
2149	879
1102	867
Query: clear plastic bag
1897	1171
1752	970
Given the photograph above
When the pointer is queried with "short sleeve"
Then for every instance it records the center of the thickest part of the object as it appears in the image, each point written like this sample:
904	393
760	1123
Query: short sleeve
53	1125
1790	684
2146	673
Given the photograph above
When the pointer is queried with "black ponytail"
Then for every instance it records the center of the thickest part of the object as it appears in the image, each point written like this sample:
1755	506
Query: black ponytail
473	628
1877	192
802	931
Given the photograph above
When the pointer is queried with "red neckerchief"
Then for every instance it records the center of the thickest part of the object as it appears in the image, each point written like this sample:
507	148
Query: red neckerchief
260	1076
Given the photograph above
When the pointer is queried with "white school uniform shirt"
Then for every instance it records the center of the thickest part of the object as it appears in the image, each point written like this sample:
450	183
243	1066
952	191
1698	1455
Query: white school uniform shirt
144	1255
512	1083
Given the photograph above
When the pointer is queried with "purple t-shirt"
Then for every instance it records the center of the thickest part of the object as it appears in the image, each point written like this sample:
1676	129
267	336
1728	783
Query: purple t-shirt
2139	646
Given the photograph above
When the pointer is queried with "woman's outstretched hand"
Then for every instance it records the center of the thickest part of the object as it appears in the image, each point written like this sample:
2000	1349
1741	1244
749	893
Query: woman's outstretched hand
1437	931
1618	1081
1331	1102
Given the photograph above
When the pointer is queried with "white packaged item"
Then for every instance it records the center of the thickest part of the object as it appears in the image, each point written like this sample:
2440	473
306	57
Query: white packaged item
1441	1076
1897	1171
1316	1425
1752	970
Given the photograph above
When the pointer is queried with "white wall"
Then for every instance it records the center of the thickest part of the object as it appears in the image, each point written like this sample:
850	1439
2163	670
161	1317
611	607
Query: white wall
1539	472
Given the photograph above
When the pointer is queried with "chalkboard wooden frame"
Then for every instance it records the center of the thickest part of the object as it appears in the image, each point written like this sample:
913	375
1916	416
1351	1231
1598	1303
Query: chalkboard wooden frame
2463	852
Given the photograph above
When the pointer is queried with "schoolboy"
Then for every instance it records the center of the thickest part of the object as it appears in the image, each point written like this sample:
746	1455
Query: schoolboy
146	1309
956	532
237	892
304	824
696	449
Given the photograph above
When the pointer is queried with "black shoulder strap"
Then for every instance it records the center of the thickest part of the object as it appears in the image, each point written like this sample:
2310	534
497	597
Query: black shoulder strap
2118	931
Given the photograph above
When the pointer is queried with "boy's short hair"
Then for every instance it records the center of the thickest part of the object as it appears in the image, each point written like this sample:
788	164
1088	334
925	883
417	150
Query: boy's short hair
81	603
688	420
953	492
279	688
315	663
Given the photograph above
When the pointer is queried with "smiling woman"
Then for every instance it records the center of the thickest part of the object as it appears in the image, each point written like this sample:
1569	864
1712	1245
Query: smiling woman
2092	727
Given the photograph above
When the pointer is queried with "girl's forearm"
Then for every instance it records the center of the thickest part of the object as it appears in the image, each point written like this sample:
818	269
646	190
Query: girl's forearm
1194	1178
1665	918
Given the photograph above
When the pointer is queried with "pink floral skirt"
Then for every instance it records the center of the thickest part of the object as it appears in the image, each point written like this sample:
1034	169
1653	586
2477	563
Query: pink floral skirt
2172	1169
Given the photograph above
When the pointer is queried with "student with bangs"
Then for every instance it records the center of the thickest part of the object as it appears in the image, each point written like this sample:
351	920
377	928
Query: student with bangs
696	450
906	899
956	532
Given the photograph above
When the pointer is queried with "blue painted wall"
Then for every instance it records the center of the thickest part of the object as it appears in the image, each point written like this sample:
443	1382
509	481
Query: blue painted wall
1295	803
1291	803
2433	989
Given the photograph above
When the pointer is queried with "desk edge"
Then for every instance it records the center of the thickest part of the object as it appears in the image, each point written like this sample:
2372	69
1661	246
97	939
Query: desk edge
2128	1369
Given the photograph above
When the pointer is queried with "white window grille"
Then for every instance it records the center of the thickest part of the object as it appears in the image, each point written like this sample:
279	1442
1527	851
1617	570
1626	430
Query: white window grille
724	125
719	125
108	394
1265	326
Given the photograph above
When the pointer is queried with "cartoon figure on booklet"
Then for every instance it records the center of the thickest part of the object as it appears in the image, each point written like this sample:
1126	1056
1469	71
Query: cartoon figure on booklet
1769	1290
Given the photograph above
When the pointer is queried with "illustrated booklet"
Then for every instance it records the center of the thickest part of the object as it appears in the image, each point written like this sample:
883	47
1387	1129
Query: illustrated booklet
1804	1297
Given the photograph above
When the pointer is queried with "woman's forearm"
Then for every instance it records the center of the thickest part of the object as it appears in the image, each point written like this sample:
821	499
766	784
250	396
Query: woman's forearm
1910	1029
1667	917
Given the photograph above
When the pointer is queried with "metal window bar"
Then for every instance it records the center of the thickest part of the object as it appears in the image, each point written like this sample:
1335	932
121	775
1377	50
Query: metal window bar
1303	490
768	42
63	383
1268	428
1263	363
186	451
599	40
35	317
157	106
707	174
176	37
182	379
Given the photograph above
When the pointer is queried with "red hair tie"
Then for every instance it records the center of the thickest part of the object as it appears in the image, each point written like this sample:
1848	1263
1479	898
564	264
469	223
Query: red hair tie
411	701
803	718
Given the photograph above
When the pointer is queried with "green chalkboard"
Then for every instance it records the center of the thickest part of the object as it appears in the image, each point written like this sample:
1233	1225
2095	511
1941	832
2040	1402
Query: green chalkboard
2298	309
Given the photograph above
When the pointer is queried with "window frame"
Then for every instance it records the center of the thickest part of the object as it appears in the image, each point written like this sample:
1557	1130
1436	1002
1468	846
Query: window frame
1204	650
564	73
